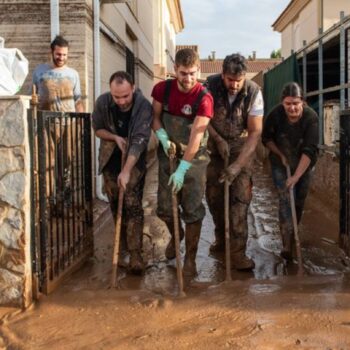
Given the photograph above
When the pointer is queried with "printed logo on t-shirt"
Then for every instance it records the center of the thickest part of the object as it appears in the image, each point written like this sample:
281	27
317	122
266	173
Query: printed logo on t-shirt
186	109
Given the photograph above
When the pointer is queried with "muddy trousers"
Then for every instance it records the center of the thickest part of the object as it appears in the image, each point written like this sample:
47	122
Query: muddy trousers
192	235
279	176
191	208
132	216
240	193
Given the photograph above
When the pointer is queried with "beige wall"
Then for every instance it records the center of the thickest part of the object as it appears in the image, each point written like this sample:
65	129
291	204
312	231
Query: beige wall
332	9
111	61
164	39
305	25
127	31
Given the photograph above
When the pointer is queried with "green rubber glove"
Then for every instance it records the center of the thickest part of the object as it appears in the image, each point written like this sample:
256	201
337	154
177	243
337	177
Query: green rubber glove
163	138
177	178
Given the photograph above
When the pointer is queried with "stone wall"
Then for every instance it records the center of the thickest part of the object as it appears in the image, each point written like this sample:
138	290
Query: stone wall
15	267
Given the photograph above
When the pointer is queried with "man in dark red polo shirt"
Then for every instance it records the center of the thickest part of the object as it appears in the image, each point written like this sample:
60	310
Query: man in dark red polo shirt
182	111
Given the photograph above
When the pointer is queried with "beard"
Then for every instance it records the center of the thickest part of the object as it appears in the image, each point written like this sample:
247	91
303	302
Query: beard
126	107
186	86
59	63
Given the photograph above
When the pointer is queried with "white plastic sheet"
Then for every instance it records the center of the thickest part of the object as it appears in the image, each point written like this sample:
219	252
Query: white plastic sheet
13	71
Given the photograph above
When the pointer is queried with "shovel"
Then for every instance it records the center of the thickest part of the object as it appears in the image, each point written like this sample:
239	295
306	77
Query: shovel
172	151
118	224
34	103
227	226
295	226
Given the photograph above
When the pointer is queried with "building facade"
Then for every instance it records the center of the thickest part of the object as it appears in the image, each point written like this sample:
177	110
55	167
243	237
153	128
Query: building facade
135	35
302	20
167	22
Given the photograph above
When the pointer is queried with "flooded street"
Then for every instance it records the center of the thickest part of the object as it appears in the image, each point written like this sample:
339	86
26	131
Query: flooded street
269	308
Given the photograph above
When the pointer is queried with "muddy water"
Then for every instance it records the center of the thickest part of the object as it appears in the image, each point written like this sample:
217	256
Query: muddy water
269	308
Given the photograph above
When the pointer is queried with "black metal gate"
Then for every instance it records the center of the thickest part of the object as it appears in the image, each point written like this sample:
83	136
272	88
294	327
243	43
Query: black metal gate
344	181
61	195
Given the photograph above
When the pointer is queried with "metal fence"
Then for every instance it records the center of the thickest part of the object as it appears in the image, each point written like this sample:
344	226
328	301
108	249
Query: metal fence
344	181
324	64
61	195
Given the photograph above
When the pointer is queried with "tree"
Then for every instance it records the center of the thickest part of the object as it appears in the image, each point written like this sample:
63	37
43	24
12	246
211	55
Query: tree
276	54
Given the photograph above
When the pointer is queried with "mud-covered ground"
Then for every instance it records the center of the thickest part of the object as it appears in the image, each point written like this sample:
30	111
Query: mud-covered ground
269	308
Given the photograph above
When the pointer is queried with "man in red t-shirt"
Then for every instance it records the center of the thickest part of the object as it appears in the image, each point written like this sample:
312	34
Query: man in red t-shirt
182	111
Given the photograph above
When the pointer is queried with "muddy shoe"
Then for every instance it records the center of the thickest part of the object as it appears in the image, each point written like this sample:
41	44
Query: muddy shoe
136	263
242	263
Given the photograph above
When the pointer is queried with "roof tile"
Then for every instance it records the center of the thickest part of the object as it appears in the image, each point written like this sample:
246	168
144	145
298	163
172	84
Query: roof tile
254	66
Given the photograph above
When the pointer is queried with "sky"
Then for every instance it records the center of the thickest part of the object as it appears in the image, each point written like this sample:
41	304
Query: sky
228	26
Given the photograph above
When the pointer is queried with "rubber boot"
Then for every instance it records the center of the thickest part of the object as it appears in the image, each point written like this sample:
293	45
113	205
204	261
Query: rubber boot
218	245
134	240
239	260
192	235
170	249
287	241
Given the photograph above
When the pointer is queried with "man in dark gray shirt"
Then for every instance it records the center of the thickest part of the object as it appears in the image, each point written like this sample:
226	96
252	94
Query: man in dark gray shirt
291	134
122	119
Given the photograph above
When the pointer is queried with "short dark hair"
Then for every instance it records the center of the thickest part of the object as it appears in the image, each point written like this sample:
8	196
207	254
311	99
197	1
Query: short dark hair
234	64
292	89
187	58
121	76
59	41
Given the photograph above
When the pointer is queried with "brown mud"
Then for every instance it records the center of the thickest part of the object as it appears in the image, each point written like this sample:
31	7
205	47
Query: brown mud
269	308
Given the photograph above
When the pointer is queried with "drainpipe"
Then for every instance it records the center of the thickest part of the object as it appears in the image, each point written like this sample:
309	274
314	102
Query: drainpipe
321	10
97	90
55	18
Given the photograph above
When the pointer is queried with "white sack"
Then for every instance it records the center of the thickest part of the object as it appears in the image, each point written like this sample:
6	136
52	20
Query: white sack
13	71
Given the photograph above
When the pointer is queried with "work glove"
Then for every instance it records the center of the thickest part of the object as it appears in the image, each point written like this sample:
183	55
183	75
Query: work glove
222	147
230	173
177	178
163	138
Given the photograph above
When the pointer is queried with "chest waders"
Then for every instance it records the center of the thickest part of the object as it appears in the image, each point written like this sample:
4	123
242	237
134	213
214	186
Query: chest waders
190	197
230	122
178	127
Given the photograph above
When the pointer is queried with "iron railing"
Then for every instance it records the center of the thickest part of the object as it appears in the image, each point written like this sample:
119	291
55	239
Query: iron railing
61	195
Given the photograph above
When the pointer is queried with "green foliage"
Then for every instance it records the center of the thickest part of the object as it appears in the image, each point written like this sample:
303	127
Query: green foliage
276	54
